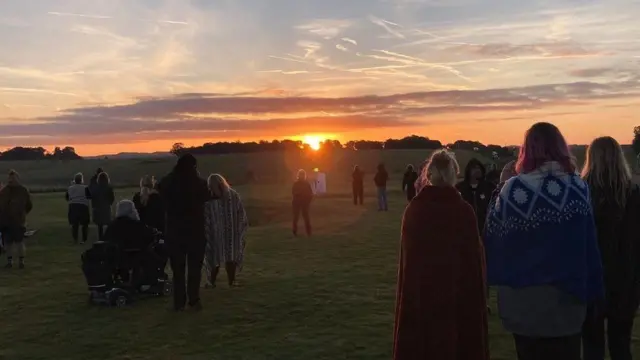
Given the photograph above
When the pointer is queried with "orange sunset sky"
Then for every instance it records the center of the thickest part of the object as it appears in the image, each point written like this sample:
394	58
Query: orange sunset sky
109	76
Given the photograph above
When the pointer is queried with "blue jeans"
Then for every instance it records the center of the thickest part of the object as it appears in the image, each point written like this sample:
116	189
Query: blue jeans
382	199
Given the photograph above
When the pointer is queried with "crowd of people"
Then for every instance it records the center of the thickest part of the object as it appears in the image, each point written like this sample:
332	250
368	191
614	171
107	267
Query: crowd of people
560	247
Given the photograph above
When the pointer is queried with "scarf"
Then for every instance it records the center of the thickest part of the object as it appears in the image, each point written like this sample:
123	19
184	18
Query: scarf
540	231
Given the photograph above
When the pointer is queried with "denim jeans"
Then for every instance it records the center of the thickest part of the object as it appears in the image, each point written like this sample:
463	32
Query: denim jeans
382	199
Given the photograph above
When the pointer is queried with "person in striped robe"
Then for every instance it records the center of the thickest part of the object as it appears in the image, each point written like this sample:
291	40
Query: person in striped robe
225	228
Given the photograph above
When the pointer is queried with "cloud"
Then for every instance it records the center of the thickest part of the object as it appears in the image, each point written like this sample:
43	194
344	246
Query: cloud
590	72
326	28
90	16
35	91
549	49
349	40
387	25
341	47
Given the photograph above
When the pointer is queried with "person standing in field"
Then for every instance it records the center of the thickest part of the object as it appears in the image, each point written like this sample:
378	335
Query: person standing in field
616	207
102	199
542	249
476	190
380	180
357	185
184	194
149	204
15	205
225	228
440	304
94	178
409	182
301	204
79	198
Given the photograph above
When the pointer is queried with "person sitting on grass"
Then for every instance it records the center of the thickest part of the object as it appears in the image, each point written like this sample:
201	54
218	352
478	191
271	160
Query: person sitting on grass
15	204
149	204
225	227
441	304
79	199
302	197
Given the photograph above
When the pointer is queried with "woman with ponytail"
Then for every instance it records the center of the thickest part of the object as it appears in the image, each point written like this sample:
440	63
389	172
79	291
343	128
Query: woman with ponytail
149	204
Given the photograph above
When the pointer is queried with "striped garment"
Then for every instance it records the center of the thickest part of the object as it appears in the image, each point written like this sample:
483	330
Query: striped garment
225	228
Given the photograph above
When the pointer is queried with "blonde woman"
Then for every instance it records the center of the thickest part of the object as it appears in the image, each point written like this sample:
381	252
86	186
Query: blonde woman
225	228
79	199
616	209
149	204
440	251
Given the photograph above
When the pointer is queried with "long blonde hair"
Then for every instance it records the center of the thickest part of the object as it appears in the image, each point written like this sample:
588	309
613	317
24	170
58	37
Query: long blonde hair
442	169
607	173
147	185
218	185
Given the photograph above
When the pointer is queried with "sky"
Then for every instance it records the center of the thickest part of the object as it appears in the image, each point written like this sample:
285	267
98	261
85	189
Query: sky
108	76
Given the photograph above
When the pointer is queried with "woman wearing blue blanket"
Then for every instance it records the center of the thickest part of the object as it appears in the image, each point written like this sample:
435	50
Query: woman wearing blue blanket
542	251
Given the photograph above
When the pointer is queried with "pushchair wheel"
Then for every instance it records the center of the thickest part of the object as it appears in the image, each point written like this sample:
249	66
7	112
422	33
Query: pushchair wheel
121	301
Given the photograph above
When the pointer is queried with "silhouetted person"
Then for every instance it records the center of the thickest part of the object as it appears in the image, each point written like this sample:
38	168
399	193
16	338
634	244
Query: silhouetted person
476	190
15	204
409	182
302	197
79	198
102	199
380	180
357	184
184	194
149	204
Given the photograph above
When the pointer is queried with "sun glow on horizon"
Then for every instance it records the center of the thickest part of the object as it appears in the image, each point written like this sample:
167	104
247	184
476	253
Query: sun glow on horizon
314	141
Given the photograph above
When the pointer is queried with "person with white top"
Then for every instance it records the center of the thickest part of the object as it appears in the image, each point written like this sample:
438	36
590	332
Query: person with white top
79	198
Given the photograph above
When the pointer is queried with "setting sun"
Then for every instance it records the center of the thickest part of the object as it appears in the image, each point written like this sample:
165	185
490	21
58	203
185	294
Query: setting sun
313	141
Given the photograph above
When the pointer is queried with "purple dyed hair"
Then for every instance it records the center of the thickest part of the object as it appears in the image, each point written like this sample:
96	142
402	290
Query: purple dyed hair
544	142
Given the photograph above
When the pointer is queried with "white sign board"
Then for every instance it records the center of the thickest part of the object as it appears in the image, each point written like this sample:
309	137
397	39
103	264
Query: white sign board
320	183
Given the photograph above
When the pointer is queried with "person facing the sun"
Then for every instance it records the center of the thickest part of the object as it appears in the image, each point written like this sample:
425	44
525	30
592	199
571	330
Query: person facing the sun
302	197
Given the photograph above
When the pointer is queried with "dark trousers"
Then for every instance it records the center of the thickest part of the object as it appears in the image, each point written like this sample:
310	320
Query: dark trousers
100	232
187	255
618	336
358	195
301	209
75	229
559	348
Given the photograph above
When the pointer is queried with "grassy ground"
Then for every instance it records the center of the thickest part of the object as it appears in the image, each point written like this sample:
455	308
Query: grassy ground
327	297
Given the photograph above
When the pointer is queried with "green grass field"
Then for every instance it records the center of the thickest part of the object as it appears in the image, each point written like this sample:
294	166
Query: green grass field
327	297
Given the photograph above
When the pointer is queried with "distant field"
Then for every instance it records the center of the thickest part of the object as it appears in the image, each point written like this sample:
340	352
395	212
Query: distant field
267	167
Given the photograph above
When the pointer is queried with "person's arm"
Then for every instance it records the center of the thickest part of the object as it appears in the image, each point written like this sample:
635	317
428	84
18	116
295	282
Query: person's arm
66	195
112	196
87	192
29	204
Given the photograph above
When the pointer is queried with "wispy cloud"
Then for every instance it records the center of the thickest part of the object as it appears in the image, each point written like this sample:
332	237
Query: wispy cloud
35	91
349	40
90	16
326	28
387	25
341	47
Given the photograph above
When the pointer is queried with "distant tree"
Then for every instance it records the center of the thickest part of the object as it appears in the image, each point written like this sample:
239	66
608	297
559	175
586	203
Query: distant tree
636	140
177	149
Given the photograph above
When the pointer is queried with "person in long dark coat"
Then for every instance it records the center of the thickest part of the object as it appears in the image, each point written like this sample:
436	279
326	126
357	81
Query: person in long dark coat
409	182
476	190
184	194
102	199
357	185
616	208
441	305
301	203
380	179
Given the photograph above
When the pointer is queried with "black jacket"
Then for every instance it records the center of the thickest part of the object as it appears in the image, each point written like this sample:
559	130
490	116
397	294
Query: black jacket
184	194
409	183
129	234
478	197
152	213
357	178
302	192
619	241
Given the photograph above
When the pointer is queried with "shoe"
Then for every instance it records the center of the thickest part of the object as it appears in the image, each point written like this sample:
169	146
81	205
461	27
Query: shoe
197	307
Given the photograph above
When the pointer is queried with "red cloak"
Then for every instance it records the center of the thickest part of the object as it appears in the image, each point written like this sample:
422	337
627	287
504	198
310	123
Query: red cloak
441	307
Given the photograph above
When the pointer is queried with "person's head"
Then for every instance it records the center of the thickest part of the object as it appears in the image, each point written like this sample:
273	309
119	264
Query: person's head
148	182
441	170
474	171
126	209
103	178
302	175
381	167
187	163
544	143
508	171
218	185
99	171
78	179
606	170
13	178
409	168
356	168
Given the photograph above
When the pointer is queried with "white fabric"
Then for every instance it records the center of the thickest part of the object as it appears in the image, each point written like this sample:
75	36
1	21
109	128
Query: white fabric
78	194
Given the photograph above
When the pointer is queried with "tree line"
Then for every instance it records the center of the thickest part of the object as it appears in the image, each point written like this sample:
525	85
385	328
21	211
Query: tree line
406	143
39	153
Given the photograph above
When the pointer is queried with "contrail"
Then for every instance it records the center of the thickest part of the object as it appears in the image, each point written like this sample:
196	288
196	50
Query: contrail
79	15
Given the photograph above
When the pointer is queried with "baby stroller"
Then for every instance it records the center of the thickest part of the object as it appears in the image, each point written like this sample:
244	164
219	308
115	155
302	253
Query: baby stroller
117	276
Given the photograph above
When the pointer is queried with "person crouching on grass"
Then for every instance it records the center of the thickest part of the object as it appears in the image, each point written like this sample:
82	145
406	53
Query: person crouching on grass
441	303
15	204
302	197
225	224
79	199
